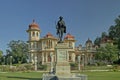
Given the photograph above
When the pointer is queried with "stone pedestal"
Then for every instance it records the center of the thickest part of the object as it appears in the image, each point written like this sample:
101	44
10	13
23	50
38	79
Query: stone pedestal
62	67
62	55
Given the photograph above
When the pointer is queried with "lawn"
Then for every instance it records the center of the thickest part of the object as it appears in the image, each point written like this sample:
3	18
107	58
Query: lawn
21	76
103	75
38	75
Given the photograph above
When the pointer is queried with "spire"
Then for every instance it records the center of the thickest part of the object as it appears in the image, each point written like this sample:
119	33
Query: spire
33	20
34	25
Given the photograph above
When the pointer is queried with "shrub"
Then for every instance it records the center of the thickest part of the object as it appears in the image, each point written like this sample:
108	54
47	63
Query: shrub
21	68
74	66
42	67
28	67
101	63
117	61
115	68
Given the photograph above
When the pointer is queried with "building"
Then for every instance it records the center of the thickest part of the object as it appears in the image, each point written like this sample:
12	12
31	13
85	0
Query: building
40	49
86	53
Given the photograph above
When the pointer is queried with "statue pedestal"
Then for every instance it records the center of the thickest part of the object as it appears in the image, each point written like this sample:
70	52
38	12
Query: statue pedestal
62	64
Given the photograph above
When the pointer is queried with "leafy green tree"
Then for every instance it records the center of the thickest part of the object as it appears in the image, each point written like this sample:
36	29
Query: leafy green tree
109	53
97	41
104	34
114	30
119	44
18	50
1	54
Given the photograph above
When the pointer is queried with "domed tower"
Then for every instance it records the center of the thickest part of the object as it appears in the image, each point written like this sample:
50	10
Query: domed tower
70	40
34	31
34	37
88	44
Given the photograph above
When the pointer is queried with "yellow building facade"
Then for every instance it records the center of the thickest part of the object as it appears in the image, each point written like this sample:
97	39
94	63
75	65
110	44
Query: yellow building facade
40	49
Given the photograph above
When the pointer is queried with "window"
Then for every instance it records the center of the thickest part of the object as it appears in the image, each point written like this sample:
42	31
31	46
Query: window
37	34
33	34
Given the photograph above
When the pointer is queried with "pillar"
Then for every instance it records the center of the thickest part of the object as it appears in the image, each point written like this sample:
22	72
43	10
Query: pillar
43	58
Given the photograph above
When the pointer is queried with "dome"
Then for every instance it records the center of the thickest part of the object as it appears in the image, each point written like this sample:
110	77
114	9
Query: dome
88	41
49	35
69	36
34	26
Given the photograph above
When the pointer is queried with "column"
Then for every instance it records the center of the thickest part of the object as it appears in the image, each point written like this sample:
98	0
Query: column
73	57
51	58
46	57
35	61
54	57
32	58
67	56
43	58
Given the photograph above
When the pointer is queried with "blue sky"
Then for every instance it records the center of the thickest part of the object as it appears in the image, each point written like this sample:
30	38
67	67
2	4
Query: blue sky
84	18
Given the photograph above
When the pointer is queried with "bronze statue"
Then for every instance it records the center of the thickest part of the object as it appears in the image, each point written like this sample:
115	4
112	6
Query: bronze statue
61	28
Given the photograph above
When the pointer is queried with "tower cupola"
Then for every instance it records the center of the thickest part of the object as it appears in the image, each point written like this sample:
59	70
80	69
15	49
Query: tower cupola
34	31
34	26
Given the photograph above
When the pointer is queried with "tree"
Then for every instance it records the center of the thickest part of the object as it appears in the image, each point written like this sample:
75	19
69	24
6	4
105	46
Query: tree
119	44
104	34
109	53
18	50
114	30
97	41
1	54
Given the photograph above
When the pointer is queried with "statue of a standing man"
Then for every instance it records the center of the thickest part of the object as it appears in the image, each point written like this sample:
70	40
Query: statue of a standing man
61	28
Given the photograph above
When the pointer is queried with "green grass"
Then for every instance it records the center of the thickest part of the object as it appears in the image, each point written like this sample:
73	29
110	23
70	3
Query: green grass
21	76
38	75
103	75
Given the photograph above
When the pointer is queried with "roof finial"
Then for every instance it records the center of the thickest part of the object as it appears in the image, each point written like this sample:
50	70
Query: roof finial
33	20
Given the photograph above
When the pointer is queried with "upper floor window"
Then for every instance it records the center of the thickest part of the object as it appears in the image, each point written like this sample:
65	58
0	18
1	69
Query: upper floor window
37	34
33	34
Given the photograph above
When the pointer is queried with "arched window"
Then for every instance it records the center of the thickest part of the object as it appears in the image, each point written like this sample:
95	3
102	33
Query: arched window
37	34
70	44
33	34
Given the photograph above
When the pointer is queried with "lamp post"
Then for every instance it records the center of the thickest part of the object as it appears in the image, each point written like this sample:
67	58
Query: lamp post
79	62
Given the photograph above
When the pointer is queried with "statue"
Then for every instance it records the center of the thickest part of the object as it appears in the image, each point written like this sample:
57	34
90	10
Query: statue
61	28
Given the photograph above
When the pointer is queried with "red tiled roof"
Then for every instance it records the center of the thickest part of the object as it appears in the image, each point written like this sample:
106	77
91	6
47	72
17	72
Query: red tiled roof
49	35
34	25
69	36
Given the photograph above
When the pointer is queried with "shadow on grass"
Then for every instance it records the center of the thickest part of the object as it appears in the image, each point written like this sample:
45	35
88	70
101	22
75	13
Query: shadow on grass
24	78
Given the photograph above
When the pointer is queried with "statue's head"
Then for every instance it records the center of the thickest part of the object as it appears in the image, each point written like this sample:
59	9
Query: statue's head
60	17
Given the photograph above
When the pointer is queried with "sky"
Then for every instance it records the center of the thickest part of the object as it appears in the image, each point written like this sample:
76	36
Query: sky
83	18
